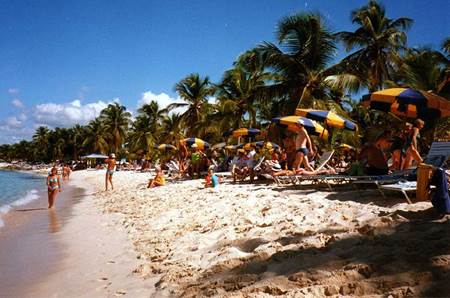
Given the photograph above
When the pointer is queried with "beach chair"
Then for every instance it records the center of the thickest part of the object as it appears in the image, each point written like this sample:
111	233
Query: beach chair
438	154
298	179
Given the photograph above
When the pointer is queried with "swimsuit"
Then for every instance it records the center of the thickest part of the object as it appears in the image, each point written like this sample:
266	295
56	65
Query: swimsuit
305	151
52	187
215	180
195	157
110	172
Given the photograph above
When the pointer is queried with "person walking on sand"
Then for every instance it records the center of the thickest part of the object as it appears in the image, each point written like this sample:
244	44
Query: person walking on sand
303	147
111	167
53	186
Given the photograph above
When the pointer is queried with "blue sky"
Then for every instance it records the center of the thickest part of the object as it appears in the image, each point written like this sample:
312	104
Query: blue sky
61	62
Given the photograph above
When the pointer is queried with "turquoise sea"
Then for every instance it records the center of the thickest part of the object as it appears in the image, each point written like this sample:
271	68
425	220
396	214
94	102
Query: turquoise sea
17	188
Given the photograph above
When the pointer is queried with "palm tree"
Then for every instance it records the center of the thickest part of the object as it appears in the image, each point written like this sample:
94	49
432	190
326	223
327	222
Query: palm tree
377	41
41	140
96	140
147	127
77	133
116	121
421	69
172	128
300	65
195	91
240	88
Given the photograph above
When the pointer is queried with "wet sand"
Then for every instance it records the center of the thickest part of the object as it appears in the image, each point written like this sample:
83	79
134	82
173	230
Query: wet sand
29	247
72	251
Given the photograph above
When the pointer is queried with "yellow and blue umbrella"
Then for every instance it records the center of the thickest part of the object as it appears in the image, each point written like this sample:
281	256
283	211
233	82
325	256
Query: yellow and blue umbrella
242	132
191	141
165	147
267	145
408	103
329	118
311	126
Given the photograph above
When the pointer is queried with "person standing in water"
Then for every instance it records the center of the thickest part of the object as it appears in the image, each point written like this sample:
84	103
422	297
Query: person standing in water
111	167
53	186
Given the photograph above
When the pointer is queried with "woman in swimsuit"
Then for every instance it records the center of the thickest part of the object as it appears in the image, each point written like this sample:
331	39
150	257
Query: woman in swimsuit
411	148
159	179
54	186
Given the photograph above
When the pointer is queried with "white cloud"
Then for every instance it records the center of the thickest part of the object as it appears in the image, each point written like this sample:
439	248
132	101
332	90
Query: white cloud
162	99
13	91
68	114
22	117
13	122
165	100
18	103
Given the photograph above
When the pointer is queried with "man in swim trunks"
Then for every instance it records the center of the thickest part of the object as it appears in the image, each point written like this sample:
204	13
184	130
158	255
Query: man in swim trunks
303	146
111	167
196	160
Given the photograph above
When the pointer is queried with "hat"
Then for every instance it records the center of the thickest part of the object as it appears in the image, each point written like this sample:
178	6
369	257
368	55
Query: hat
301	122
276	167
194	146
112	155
241	151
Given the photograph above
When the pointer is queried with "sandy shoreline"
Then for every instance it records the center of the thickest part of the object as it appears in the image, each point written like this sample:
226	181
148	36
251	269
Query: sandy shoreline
261	240
246	241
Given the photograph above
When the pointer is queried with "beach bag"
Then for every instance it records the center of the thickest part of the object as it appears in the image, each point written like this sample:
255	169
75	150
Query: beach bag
441	198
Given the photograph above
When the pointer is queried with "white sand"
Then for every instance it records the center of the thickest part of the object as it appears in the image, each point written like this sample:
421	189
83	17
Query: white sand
246	241
263	241
99	259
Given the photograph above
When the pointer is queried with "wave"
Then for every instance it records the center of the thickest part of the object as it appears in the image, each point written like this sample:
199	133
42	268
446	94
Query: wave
31	195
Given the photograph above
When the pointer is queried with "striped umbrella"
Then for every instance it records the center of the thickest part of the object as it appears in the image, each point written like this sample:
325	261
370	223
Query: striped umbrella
267	145
408	103
311	126
329	118
200	143
242	132
165	147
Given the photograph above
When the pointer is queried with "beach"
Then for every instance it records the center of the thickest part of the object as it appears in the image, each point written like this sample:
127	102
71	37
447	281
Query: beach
243	240
259	240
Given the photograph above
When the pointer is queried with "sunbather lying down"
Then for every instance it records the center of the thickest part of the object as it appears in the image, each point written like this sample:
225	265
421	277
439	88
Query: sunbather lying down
302	171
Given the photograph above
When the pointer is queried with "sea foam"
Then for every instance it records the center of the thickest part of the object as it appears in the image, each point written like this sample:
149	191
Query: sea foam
31	195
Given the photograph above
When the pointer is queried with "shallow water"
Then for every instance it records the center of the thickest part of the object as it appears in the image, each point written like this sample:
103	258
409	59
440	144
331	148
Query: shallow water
17	189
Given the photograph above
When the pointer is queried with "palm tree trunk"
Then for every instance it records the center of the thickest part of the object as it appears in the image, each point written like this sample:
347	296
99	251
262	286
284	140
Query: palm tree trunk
305	94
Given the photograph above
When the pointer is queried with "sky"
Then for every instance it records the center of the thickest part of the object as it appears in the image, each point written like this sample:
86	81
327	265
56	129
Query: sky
62	62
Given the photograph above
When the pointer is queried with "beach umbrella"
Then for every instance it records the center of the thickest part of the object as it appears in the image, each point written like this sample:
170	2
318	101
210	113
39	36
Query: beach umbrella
408	103
311	126
329	118
242	132
267	145
200	143
165	147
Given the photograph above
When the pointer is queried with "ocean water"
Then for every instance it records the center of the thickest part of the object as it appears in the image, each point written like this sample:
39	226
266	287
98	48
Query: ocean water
18	189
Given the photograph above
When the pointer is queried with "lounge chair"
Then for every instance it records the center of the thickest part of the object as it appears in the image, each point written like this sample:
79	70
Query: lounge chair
437	156
297	179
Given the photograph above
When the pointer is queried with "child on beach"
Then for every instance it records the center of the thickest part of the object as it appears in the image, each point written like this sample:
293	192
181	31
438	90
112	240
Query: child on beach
111	167
53	186
159	179
211	180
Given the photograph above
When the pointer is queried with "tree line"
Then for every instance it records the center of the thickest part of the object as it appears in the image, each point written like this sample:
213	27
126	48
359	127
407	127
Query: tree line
266	81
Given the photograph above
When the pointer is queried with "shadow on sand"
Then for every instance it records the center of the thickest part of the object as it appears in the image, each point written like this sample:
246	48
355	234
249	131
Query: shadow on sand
409	258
